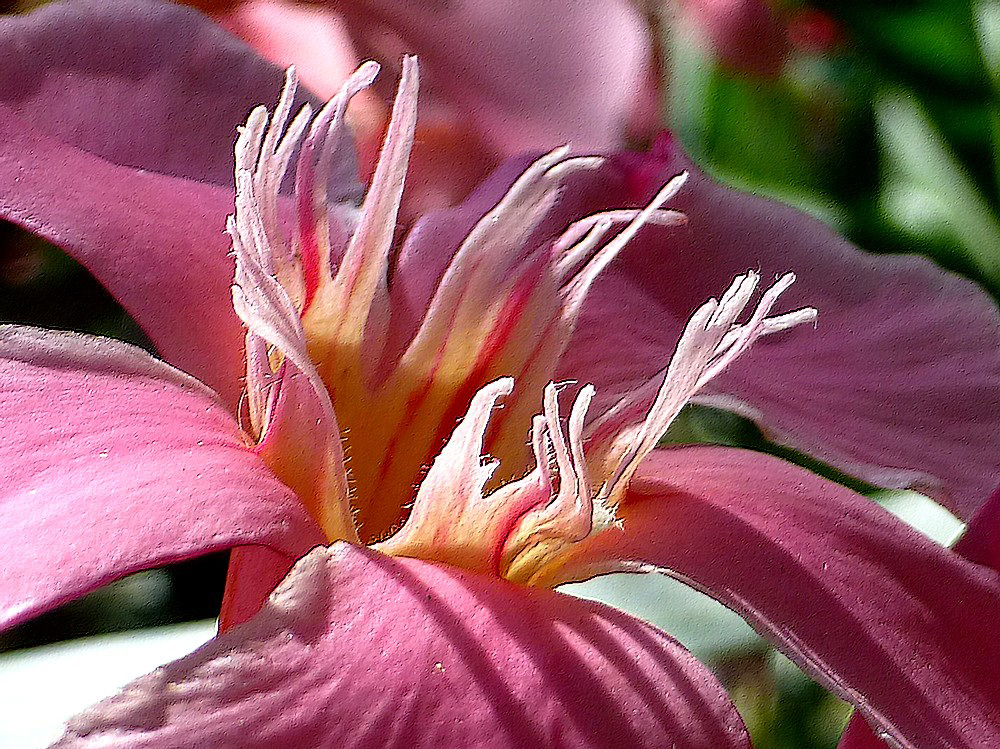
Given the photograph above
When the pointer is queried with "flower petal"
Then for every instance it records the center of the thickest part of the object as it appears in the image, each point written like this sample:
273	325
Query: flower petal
981	540
156	242
115	462
865	604
898	384
358	649
746	36
859	735
310	37
981	544
529	74
145	84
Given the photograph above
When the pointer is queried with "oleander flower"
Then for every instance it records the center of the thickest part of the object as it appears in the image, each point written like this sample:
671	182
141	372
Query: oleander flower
350	383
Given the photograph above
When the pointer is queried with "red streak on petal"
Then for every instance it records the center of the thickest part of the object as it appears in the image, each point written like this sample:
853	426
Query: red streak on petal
493	346
309	250
515	513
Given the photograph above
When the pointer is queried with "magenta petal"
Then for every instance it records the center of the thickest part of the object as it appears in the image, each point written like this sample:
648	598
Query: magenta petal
357	649
898	384
115	462
529	74
859	735
981	544
152	85
981	540
901	627
156	242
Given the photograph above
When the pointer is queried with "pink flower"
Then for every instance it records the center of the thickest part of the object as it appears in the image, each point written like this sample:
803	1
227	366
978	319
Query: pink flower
499	77
354	341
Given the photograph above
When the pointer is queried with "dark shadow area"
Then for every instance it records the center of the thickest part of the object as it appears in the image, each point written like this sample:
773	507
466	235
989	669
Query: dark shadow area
182	592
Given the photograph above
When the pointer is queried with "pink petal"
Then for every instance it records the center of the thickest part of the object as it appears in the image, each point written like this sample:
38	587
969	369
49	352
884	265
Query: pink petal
898	384
145	84
529	74
156	242
115	462
254	572
981	540
150	85
357	649
899	626
286	32
859	735
981	544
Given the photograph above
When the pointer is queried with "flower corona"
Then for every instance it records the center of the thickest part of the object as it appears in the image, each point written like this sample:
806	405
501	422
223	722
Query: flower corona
387	384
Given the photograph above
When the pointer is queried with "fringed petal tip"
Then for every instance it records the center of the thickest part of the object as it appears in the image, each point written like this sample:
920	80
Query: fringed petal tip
898	380
712	340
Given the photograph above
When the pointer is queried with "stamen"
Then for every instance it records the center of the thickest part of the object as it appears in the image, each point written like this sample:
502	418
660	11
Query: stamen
573	257
711	341
360	283
577	285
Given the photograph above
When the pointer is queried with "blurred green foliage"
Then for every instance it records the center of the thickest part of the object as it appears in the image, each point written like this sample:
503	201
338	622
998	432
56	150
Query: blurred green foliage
887	128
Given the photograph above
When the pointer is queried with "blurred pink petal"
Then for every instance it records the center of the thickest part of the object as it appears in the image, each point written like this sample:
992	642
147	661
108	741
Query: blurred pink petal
145	84
501	77
838	584
310	37
530	75
116	463
357	649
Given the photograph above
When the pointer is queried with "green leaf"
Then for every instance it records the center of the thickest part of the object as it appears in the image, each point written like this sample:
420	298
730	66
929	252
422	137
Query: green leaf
927	191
